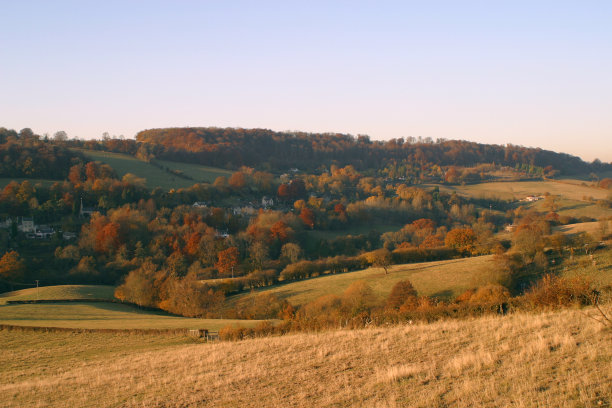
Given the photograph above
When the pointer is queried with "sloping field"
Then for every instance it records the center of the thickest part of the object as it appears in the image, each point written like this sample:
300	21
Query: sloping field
442	278
103	315
198	172
61	292
156	177
556	360
123	163
590	227
520	189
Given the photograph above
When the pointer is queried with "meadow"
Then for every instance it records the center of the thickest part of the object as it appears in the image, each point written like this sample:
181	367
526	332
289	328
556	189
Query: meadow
575	198
93	314
556	359
105	315
156	177
444	279
61	292
516	190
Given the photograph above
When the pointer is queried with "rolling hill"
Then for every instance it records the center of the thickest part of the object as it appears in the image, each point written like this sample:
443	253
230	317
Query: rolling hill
559	359
445	279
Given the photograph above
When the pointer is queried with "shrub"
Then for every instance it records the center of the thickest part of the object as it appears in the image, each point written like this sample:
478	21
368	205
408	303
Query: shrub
554	291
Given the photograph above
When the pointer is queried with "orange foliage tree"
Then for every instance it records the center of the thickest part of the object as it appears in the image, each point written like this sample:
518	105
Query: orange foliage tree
461	238
227	261
11	266
307	217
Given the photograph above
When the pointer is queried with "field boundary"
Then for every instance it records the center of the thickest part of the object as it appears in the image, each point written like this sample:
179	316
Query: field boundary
76	300
50	329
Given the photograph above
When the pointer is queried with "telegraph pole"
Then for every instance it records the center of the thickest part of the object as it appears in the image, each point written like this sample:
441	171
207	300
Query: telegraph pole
37	297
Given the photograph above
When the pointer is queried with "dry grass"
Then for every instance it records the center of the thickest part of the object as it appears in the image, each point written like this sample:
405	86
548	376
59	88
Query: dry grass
445	279
520	189
558	359
592	228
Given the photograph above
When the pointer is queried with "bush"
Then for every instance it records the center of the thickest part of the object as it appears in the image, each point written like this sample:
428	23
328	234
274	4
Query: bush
554	291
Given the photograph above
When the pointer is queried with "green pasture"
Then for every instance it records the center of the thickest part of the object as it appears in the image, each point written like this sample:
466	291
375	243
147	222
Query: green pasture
198	173
60	292
355	230
104	315
123	164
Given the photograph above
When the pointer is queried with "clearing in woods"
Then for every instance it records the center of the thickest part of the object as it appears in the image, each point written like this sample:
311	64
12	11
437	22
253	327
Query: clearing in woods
156	177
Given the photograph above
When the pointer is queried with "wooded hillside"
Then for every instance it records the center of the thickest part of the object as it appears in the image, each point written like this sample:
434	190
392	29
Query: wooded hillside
281	150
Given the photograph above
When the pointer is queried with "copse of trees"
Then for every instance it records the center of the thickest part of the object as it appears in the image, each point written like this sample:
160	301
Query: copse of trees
27	155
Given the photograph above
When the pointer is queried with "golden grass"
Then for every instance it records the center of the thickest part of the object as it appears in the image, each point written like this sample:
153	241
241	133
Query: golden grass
592	228
560	359
520	189
61	292
98	315
444	279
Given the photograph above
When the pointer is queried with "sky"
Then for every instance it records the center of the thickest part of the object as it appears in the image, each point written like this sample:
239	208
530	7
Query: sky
531	73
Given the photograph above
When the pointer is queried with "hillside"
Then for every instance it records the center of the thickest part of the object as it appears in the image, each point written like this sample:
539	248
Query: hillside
155	175
559	359
102	315
235	147
60	292
445	279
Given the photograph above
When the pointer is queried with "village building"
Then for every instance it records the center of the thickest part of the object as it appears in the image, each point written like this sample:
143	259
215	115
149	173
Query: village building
27	225
267	202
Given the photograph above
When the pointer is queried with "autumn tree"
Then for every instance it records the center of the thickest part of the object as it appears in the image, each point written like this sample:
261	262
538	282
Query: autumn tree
461	238
12	267
358	298
259	253
237	181
227	261
291	252
402	292
307	217
381	258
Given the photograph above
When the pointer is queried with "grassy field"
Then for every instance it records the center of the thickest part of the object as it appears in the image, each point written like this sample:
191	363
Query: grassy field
517	190
61	292
357	230
592	228
103	315
597	269
123	163
571	192
198	172
44	182
559	359
444	279
156	177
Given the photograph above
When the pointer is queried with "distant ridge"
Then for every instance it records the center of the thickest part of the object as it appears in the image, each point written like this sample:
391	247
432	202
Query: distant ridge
282	150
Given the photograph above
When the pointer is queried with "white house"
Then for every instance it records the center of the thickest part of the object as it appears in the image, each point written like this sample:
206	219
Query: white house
26	225
267	201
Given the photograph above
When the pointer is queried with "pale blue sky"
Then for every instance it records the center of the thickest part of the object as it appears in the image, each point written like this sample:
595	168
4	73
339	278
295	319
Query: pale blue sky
534	73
